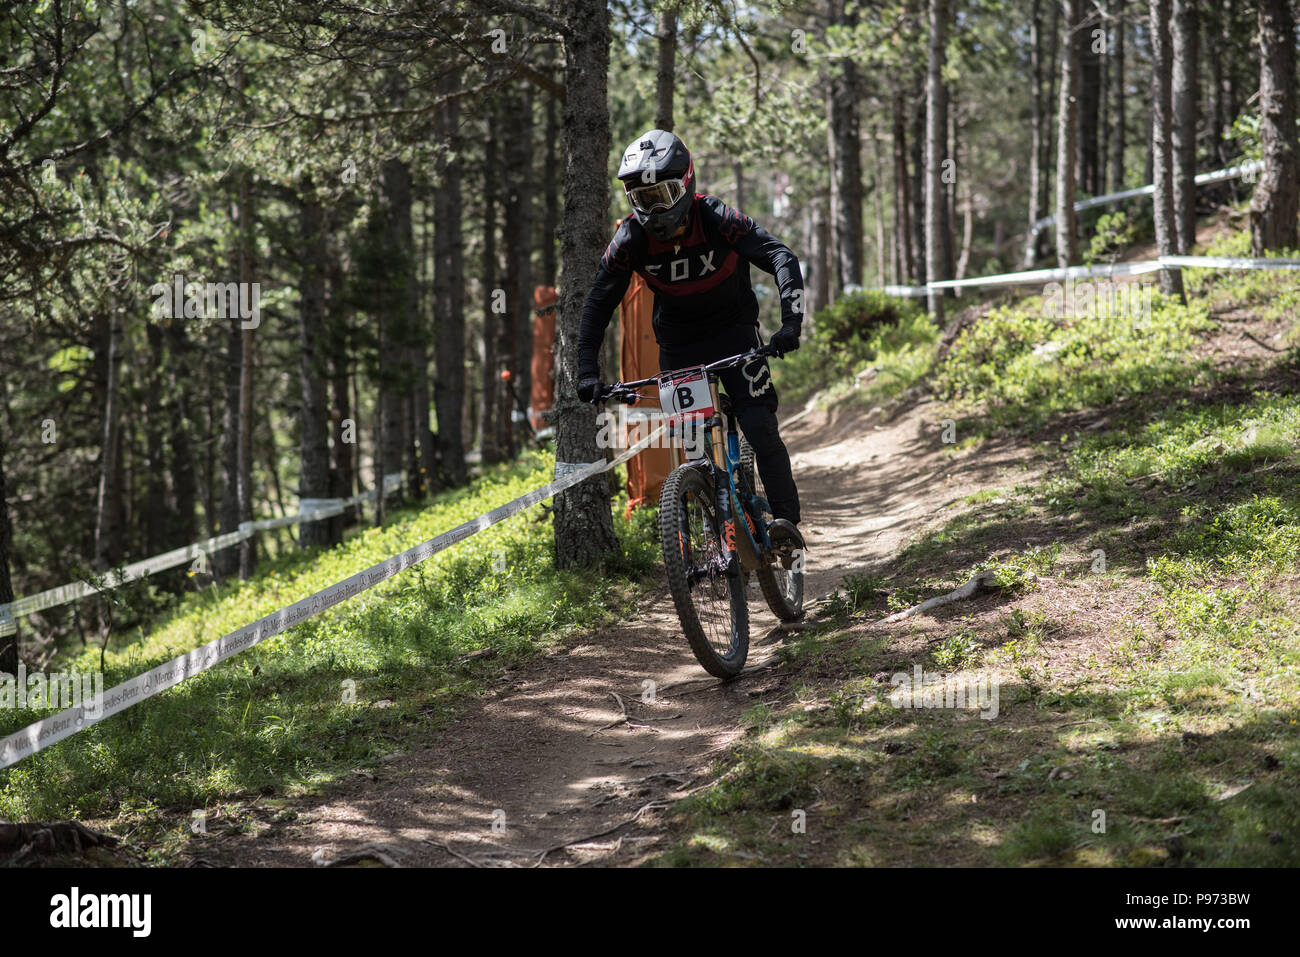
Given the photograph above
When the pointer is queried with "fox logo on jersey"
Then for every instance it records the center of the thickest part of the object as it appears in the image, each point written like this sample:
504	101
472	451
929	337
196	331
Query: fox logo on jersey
680	269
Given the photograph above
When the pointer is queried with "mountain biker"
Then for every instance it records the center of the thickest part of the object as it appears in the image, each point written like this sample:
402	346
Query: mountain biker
695	253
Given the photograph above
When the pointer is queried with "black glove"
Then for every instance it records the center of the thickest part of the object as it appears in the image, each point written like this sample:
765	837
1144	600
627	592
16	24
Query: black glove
785	339
589	387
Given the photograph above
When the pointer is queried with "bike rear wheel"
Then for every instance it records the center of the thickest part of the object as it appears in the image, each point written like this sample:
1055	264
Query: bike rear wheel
709	595
782	580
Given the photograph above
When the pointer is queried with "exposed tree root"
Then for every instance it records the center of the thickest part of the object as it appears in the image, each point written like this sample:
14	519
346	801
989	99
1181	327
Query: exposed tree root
979	582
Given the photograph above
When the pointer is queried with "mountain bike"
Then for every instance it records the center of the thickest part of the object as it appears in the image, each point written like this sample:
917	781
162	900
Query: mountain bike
715	527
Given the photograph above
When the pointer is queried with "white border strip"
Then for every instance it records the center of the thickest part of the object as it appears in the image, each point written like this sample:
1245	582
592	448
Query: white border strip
41	734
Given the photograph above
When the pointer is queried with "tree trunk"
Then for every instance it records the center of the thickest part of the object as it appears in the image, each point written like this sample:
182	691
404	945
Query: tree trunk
949	180
821	254
425	461
1035	131
393	223
185	489
226	561
1067	245
550	193
918	237
519	270
158	518
1103	118
1219	121
584	526
1186	118
844	146
967	229
449	296
902	193
1089	103
1048	164
935	141
1117	139
247	548
108	511
1273	207
8	642
494	309
314	455
1171	280
878	190
342	414
667	36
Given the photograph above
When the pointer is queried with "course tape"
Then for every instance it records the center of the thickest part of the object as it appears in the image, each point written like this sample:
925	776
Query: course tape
1202	179
309	510
41	734
1034	276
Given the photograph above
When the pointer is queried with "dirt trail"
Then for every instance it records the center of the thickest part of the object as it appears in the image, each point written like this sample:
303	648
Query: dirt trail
551	750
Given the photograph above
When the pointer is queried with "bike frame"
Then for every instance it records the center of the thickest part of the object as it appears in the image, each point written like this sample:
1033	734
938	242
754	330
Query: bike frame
722	455
736	506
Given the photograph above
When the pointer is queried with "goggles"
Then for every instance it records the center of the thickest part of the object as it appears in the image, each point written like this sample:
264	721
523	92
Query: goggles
661	195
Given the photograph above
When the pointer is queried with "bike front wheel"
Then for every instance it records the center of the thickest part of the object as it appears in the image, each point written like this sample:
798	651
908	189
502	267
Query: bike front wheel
708	589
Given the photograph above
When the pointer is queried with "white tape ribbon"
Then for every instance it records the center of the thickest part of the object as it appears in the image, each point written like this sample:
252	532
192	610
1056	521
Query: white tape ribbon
75	591
41	734
1036	276
564	469
1201	179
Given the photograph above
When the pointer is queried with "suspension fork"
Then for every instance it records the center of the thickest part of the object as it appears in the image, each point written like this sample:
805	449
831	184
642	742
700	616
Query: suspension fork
753	543
720	460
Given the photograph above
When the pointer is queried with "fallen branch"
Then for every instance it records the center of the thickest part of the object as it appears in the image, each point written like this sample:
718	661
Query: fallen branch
979	582
1261	343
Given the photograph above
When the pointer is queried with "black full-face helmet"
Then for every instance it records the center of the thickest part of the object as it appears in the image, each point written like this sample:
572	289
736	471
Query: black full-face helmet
658	177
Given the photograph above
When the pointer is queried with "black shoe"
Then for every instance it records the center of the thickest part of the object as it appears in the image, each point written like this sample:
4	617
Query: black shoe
786	540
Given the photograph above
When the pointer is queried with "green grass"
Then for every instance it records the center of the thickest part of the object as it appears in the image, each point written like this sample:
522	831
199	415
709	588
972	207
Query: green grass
1020	366
1270	294
861	331
275	720
1148	653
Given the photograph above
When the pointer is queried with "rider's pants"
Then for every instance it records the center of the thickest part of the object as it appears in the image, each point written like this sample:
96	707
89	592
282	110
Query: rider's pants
753	397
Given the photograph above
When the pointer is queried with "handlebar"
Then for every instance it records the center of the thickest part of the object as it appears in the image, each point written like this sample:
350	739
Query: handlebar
627	391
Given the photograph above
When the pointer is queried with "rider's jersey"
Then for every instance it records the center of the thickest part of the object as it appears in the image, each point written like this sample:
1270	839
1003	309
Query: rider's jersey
700	281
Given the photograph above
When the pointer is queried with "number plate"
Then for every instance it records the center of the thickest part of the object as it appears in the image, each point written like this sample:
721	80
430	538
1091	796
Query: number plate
685	395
